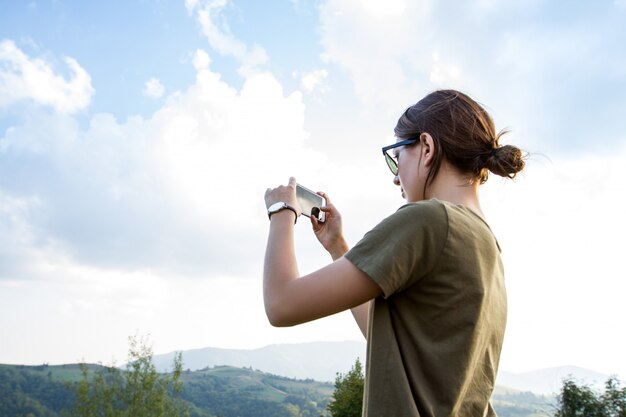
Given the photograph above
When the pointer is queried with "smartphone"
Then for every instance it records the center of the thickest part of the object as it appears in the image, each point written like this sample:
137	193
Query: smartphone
310	203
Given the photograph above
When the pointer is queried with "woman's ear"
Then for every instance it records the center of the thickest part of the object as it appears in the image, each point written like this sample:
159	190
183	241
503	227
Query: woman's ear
427	149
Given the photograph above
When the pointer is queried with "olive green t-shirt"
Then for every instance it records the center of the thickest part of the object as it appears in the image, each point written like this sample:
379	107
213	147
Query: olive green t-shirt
435	334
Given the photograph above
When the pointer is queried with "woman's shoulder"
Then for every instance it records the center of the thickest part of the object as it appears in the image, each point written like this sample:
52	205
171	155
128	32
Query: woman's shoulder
433	207
427	213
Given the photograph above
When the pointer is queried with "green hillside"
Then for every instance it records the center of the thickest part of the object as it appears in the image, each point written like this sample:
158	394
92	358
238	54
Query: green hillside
513	403
34	391
42	391
229	391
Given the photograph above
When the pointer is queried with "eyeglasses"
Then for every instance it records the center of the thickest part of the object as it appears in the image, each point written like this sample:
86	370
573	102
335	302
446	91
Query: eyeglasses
390	159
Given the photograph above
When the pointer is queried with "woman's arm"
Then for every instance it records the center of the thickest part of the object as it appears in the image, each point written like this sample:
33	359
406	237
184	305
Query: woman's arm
290	299
361	315
330	235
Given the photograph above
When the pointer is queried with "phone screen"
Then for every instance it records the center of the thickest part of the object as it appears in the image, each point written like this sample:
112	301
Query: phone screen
310	203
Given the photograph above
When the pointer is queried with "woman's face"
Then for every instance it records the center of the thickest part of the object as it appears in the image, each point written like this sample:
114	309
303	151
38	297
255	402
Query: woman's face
411	172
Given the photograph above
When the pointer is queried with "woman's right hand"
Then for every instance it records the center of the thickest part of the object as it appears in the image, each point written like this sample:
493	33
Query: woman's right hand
330	233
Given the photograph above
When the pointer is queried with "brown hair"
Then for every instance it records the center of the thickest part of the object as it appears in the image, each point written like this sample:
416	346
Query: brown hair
463	133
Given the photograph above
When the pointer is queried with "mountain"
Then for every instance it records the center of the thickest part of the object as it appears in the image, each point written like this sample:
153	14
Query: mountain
322	360
549	380
44	391
513	403
317	360
235	392
38	391
224	382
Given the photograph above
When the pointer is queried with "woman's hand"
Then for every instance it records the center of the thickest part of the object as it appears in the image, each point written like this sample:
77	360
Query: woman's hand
330	233
283	193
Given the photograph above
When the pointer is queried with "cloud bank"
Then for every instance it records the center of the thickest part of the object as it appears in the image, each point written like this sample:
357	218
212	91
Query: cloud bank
215	28
180	191
499	52
26	78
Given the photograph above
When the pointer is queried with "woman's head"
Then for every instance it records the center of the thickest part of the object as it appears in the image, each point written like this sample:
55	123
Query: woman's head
463	133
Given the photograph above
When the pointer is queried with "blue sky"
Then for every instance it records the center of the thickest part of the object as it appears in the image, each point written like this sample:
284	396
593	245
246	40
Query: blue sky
137	139
121	44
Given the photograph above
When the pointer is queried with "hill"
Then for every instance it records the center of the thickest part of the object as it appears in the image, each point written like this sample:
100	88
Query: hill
213	385
42	391
514	403
231	392
322	360
317	360
35	390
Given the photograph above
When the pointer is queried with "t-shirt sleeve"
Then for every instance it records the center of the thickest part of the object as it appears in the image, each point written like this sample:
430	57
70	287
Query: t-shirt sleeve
404	247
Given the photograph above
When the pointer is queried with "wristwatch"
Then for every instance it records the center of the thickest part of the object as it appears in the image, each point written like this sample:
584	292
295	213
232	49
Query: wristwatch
281	205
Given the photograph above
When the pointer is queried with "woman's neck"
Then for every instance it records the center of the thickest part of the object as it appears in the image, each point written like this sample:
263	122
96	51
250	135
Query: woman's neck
455	188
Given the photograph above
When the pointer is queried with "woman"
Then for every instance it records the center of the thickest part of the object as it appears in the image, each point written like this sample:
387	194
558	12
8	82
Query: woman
426	285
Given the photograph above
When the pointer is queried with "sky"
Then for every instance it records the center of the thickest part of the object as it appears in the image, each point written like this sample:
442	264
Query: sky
137	139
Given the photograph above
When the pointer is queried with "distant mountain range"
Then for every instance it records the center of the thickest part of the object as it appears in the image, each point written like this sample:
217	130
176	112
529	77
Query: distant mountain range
549	381
322	360
216	391
317	360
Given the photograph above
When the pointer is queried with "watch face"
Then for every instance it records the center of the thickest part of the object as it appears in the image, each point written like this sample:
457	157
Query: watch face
276	206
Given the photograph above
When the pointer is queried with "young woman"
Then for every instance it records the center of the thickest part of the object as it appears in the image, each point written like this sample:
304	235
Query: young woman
426	285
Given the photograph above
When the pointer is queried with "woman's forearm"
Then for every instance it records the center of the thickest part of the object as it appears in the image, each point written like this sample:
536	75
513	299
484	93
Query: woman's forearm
340	249
280	265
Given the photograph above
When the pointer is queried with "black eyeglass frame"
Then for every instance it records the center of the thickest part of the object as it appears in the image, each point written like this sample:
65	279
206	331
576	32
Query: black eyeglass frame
391	163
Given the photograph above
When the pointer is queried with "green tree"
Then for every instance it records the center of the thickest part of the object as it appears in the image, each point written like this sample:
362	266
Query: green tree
614	398
140	391
581	401
347	400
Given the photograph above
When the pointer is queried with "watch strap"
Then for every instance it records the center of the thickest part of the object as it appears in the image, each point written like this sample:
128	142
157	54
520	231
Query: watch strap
284	206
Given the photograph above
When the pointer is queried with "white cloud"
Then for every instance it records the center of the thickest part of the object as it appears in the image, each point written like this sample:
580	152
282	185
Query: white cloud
20	248
79	299
149	223
520	71
443	74
386	52
201	60
162	192
153	88
386	9
26	78
313	80
190	5
217	31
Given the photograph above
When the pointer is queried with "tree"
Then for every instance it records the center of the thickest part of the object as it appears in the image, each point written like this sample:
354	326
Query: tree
614	398
581	401
140	391
347	400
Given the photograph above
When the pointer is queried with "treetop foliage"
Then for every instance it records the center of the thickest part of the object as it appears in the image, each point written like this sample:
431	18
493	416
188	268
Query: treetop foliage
347	400
140	391
579	400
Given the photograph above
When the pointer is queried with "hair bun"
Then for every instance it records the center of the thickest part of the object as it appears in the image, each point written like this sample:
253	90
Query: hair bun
505	161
